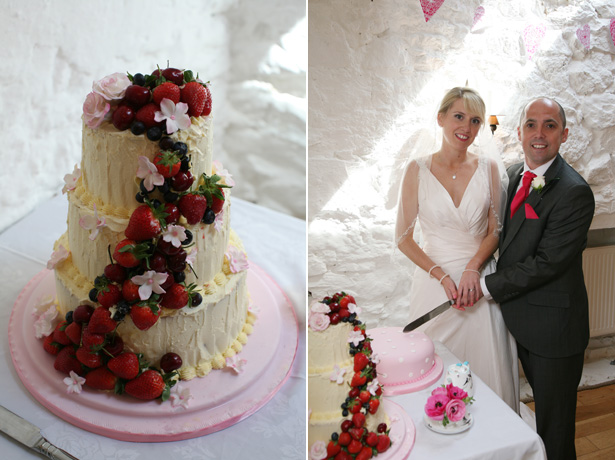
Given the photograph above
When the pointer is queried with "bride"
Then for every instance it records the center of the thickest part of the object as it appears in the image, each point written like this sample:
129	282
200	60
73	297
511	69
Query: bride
457	198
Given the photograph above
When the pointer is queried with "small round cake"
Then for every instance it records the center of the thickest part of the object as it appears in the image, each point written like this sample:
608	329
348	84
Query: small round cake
407	361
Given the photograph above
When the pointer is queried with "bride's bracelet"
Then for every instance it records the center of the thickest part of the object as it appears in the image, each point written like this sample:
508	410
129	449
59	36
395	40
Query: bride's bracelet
435	266
441	279
470	270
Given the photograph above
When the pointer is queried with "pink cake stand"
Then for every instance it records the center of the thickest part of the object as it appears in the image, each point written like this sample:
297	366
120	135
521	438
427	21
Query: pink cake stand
219	400
402	434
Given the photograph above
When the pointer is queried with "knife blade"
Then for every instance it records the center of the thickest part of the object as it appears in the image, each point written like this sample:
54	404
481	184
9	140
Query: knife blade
428	316
29	435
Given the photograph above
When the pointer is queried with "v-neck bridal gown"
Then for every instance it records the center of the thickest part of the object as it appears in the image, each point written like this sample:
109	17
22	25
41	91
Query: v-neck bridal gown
450	237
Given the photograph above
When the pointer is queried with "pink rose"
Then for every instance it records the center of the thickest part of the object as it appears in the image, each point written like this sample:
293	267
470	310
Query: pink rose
455	392
318	451
435	406
455	410
319	322
439	391
319	307
112	87
94	110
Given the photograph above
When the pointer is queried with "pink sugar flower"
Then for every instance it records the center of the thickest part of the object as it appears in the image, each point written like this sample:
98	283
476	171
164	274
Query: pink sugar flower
318	322
57	256
95	108
174	234
373	386
92	223
149	282
318	451
180	398
455	410
226	177
237	260
73	383
236	363
112	87
436	406
175	115
149	173
319	307
355	337
70	180
219	221
337	375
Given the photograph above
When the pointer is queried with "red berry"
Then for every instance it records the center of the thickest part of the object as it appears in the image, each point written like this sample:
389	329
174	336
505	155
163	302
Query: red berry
217	203
167	162
90	339
360	362
192	206
109	295
195	95
50	346
371	439
353	393
158	262
335	318
383	443
373	405
130	291
332	449
182	181
344	439
365	395
170	362
166	247
66	361
83	313
177	262
174	75
123	117
125	253
88	358
365	454
137	96
148	385
344	313
124	366
358	420
166	90
346	425
357	433
355	446
115	346
115	273
175	298
101	379
146	115
382	428
144	224
207	106
59	334
172	211
143	316
101	321
73	332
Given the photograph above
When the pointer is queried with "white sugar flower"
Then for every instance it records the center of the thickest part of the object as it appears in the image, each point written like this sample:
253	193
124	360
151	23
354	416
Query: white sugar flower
43	304
191	257
70	180
57	256
45	322
355	337
73	383
337	375
148	282
92	223
148	171
237	259
226	177
318	451
319	307
372	386
236	363
254	309
180	398
174	114
174	234
352	308
375	358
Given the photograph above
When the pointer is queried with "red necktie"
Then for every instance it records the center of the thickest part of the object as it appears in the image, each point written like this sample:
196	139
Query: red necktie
522	193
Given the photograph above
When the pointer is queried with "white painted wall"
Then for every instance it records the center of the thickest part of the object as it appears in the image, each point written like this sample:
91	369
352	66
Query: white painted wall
255	57
377	72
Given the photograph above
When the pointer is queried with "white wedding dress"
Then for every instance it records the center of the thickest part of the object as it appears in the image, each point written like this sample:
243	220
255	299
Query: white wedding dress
451	237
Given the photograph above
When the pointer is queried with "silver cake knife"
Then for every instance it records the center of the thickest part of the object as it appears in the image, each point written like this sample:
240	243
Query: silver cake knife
29	435
429	315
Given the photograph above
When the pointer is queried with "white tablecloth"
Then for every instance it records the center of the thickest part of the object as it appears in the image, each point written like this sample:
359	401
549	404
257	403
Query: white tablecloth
497	433
274	241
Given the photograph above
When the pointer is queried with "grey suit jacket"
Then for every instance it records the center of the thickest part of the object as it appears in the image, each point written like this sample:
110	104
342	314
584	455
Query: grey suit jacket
539	279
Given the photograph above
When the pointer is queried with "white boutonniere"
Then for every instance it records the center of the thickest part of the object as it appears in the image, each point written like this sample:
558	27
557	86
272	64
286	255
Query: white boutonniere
538	183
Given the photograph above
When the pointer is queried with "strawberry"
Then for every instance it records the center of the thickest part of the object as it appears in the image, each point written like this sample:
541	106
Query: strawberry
128	253
365	454
148	385
87	358
50	346
109	295
73	332
130	291
101	321
343	313
344	301
332	449
357	433
101	379
66	361
167	163
371	439
175	298
360	361
207	107
192	206
144	316
91	340
195	95
145	223
358	420
355	447
146	115
125	366
344	439
217	203
167	90
365	396
343	455
354	406
383	443
59	334
373	405
358	379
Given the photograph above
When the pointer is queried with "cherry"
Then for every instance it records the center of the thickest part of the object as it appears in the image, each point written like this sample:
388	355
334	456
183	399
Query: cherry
182	181
177	262
170	362
137	96
83	313
115	345
123	117
335	318
115	273
172	213
158	262
167	248
174	75
169	281
382	428
346	425
334	306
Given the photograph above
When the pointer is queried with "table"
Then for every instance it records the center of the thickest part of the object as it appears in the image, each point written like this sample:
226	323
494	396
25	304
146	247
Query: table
498	432
274	241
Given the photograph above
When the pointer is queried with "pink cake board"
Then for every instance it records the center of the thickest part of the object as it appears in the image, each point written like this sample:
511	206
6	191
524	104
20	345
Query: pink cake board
219	400
402	434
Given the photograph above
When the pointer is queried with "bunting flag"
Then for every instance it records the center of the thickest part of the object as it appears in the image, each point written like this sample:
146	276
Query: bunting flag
532	36
430	7
478	15
583	35
613	30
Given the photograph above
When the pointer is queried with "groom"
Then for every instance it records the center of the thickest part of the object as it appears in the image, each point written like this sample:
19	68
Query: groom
539	279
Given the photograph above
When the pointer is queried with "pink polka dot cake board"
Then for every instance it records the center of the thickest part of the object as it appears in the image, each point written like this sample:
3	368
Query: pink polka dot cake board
397	350
219	400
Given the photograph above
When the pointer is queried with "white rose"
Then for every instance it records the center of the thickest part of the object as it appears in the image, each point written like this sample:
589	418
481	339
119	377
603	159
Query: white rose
95	108
319	322
318	451
112	87
538	182
319	307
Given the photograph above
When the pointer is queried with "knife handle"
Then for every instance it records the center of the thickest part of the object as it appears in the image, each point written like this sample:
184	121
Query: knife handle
52	452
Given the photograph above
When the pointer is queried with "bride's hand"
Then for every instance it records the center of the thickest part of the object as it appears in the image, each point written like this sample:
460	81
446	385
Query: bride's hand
451	292
469	288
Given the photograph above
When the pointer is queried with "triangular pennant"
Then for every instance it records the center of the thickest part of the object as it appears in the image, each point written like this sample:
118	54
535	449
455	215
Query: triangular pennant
613	30
583	34
532	36
430	7
478	15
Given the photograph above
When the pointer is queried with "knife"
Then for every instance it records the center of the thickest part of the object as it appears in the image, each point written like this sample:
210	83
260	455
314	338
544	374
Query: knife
429	315
29	435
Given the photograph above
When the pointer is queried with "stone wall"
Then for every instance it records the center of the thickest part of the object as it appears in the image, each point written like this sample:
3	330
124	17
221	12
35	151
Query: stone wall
377	71
255	58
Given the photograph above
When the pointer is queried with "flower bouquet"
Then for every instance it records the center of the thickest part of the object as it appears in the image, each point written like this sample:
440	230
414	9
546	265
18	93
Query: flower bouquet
446	409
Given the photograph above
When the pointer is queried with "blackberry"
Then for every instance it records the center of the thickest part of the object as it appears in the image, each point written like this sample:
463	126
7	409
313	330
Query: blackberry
166	143
180	147
154	133
123	306
209	216
138	79
137	128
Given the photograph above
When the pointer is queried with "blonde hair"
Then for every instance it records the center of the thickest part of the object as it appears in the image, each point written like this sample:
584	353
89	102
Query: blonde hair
471	100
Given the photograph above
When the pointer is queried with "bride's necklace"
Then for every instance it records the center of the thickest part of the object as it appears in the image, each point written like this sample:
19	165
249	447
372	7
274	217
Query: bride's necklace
456	170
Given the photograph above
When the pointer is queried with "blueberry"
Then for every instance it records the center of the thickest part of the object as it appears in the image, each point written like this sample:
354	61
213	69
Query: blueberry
345	413
164	188
137	128
180	147
69	317
179	277
334	437
188	238
196	299
93	294
119	316
166	143
138	79
142	188
170	197
154	133
156	203
123	306
140	198
209	216
185	165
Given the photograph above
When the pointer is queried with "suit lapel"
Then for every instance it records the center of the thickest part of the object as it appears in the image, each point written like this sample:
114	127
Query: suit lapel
514	177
